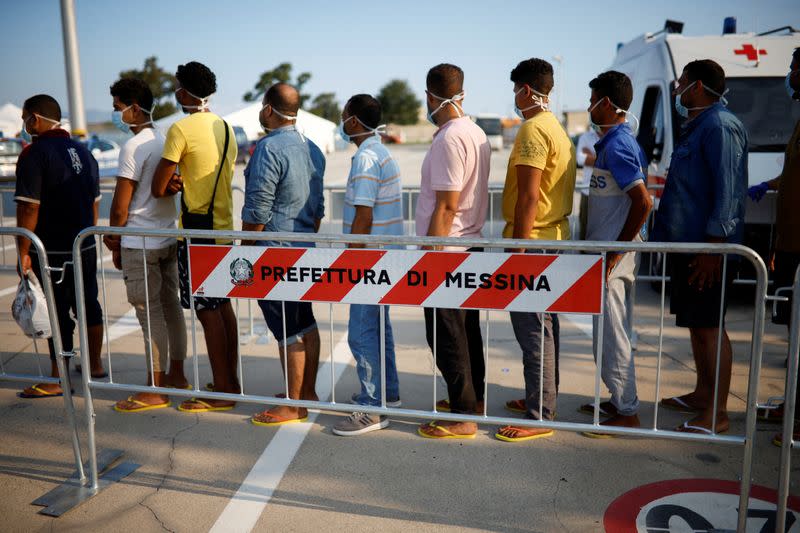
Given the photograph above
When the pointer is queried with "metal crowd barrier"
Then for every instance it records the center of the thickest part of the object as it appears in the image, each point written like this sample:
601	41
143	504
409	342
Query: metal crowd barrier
334	202
599	248
61	360
789	407
7	189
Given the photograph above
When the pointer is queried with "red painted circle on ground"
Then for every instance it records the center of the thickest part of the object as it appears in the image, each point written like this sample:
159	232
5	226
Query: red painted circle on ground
620	517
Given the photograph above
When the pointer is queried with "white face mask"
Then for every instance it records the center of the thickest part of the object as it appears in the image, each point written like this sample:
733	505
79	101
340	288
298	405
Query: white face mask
371	131
617	109
538	101
116	119
453	101
203	101
684	111
284	117
27	136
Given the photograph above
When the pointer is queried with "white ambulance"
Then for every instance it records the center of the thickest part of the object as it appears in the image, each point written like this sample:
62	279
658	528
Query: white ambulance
755	67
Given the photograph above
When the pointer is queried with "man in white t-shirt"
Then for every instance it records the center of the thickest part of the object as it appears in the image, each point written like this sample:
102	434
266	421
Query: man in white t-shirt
153	291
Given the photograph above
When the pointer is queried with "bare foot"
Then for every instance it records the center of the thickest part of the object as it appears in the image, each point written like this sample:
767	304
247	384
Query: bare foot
135	402
448	430
284	412
42	390
702	423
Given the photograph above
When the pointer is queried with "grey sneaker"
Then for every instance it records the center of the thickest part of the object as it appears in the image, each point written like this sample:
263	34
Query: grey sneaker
360	423
354	399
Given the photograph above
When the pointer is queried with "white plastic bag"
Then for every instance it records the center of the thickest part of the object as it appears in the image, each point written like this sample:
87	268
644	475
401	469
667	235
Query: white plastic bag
29	308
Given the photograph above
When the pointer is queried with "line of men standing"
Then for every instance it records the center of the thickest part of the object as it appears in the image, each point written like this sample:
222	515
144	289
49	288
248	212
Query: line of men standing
284	193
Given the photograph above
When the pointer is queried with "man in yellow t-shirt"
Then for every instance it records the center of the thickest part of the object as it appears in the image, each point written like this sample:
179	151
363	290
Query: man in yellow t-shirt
537	199
195	146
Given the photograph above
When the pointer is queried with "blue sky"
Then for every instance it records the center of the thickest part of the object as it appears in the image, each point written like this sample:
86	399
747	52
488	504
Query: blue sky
349	47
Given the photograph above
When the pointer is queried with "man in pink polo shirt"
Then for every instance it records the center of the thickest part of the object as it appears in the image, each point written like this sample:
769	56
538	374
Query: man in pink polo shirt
453	199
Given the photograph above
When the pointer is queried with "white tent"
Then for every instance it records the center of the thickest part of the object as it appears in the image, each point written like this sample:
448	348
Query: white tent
318	129
10	120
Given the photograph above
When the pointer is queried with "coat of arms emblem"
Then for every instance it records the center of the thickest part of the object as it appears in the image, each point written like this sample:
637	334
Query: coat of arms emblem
241	272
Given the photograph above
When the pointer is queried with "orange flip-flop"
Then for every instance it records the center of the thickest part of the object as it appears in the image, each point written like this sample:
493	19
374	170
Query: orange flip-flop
516	406
524	433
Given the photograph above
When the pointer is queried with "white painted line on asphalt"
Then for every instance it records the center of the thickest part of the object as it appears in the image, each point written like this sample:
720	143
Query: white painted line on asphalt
246	506
582	322
8	290
125	325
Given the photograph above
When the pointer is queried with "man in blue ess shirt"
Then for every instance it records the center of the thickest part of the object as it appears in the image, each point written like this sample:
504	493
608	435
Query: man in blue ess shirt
283	193
372	206
618	207
703	201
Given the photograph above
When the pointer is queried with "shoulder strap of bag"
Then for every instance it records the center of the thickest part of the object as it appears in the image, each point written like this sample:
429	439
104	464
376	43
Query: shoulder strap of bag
221	164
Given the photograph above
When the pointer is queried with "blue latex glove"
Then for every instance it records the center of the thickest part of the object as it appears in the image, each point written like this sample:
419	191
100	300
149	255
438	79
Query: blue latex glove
757	192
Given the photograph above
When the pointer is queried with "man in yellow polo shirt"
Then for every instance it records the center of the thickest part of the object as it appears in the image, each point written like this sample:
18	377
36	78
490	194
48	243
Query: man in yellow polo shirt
537	199
197	146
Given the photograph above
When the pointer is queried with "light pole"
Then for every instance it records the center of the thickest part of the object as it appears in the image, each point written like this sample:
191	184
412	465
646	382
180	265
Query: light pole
560	87
77	115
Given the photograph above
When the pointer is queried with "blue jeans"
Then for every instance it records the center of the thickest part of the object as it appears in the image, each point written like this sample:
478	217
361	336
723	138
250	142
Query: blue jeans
363	336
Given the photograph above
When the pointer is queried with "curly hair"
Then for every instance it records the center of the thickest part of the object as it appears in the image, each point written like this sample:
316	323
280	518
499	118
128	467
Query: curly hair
197	79
133	91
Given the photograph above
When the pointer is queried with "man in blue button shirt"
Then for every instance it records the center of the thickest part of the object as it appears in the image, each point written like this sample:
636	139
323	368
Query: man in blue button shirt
703	201
618	207
283	193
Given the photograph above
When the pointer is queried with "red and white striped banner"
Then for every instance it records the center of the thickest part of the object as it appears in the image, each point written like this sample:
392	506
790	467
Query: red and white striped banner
472	280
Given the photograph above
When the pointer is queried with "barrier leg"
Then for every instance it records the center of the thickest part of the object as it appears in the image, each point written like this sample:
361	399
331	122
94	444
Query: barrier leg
73	492
789	409
69	407
752	391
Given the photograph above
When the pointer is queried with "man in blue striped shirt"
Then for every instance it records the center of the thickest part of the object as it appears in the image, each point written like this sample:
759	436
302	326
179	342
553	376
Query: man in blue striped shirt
372	206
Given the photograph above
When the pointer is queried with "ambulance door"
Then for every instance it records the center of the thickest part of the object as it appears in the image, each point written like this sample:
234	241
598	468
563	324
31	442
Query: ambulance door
653	134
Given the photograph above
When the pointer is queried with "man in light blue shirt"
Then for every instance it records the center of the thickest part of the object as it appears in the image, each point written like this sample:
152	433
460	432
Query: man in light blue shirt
372	206
283	192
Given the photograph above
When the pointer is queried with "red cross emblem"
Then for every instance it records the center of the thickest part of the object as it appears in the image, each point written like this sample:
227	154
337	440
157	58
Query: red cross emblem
750	51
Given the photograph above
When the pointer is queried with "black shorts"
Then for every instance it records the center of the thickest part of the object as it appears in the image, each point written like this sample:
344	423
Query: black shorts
786	264
299	319
200	302
64	293
694	308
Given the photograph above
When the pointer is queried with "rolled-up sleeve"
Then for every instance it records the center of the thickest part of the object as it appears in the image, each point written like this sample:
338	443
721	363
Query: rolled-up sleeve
725	154
261	179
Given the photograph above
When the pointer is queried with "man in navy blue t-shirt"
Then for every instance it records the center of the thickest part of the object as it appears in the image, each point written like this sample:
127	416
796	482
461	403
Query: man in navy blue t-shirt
57	194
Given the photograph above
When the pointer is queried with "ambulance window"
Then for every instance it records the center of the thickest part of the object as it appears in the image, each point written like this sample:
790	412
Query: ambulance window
765	110
651	127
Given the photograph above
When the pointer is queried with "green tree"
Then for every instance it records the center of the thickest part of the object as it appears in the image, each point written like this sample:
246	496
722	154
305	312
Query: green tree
399	104
280	74
325	105
161	82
